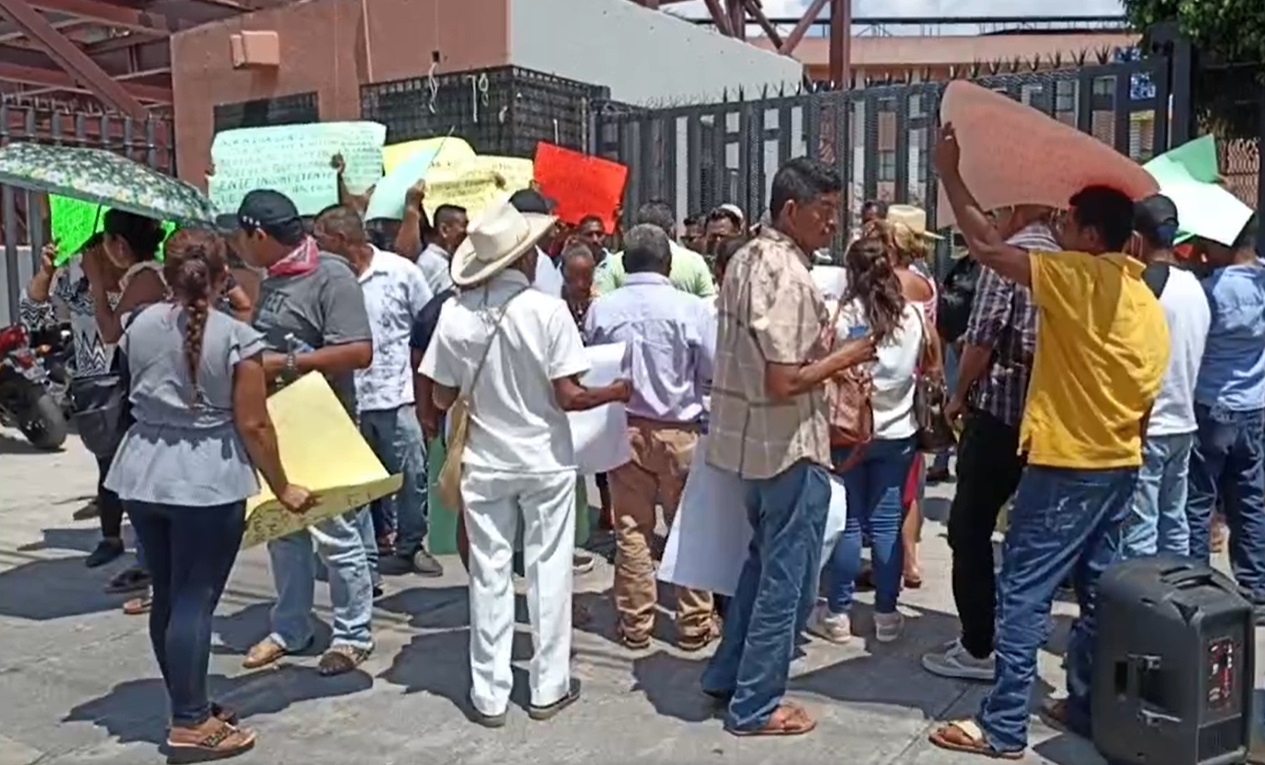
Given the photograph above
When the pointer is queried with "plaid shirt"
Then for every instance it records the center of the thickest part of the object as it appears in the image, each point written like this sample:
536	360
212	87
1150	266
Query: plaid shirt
1004	319
769	312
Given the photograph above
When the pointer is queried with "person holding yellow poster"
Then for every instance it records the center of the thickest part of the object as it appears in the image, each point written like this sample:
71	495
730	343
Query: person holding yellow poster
505	361
185	469
312	315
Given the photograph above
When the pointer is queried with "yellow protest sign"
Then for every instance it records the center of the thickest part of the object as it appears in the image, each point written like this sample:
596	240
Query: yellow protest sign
516	172
321	449
475	183
448	150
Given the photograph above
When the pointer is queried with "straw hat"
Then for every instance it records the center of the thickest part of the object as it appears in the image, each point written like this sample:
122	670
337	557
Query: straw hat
495	240
914	218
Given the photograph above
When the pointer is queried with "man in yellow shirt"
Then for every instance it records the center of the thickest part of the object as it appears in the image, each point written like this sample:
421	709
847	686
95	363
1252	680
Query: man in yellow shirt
1101	353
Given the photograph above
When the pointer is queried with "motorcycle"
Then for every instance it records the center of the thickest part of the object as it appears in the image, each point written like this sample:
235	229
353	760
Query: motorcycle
54	346
27	400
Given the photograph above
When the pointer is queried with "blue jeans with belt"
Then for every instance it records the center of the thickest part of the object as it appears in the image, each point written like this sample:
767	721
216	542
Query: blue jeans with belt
1228	463
787	514
1063	522
190	552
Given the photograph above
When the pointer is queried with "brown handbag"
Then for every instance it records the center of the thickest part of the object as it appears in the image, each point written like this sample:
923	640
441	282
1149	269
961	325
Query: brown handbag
931	395
849	405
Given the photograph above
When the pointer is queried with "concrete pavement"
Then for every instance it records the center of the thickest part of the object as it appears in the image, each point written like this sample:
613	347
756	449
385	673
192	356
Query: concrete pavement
79	683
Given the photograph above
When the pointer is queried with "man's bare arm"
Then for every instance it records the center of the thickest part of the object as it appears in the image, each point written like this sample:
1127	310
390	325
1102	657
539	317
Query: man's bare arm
790	380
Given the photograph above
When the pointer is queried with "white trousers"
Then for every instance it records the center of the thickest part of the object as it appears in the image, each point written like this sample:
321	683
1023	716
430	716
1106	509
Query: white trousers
498	506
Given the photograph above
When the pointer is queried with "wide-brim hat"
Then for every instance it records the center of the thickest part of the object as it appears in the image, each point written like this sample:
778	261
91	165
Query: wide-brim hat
915	218
494	240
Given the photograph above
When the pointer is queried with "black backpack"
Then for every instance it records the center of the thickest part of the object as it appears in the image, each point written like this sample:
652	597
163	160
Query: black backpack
957	292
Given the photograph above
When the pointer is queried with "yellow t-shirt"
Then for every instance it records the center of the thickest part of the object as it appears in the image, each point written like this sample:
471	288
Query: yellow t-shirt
1102	350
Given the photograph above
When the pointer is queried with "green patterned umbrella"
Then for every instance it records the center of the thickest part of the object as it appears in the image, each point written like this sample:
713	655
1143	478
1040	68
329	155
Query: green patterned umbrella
106	178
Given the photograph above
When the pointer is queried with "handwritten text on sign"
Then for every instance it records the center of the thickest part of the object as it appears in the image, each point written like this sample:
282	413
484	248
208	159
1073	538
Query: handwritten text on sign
295	160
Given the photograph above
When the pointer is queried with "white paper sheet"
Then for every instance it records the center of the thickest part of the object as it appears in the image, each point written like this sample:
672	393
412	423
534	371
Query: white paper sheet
601	435
711	536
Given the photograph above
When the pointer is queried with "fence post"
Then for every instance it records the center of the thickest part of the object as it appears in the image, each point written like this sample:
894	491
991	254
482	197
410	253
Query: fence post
1179	55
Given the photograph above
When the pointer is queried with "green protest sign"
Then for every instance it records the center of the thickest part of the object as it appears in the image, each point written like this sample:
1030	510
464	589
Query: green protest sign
73	223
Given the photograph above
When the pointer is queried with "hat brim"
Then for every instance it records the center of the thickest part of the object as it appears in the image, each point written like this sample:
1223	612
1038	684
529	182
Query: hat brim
227	223
467	270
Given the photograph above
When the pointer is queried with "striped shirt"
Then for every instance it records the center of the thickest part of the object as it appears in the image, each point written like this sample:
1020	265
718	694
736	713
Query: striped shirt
1004	319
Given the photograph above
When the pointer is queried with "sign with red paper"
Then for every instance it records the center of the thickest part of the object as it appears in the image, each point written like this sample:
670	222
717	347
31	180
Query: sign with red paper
579	184
1013	154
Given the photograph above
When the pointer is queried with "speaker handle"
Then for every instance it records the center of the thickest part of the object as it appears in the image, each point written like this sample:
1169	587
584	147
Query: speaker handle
1190	578
1137	666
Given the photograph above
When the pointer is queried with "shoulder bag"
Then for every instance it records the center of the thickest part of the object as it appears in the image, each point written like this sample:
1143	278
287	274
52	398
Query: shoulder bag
931	395
849	405
102	406
448	484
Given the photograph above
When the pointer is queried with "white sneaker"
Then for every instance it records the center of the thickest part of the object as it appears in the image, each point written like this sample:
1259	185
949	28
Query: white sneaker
888	627
958	663
837	628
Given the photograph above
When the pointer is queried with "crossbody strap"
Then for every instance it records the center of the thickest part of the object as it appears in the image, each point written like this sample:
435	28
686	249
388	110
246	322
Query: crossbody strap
496	332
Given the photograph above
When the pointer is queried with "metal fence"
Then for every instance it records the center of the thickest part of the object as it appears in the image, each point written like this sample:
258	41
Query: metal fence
698	156
23	215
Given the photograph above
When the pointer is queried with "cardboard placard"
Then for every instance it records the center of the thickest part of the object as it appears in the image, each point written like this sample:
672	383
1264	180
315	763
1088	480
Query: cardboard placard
580	185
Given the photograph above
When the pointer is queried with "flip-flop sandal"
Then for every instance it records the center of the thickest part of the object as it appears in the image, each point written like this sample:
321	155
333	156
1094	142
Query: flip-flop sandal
225	742
139	606
787	720
630	642
912	581
342	659
966	736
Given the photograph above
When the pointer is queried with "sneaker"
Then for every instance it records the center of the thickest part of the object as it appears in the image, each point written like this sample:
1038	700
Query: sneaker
107	550
888	627
582	564
956	662
425	564
837	628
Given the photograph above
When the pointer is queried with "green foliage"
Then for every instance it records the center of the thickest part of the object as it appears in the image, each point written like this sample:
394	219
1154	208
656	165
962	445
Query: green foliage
1229	39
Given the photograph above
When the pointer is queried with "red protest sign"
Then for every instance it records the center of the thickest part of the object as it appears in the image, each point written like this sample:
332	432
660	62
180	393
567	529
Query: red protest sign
579	184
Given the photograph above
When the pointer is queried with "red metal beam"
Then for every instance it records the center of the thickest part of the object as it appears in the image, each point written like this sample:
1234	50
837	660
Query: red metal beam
841	43
10	37
153	93
737	18
106	13
810	15
719	17
73	61
53	80
766	26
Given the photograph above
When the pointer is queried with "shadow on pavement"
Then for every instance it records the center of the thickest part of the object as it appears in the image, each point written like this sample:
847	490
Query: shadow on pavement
56	588
16	445
137	710
82	540
241	630
439	663
431	608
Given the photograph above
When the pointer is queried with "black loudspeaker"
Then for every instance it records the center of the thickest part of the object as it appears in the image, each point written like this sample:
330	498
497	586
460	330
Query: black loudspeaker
1174	665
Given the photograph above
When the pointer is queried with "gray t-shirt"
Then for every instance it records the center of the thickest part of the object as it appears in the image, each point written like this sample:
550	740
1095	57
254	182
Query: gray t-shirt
320	308
183	450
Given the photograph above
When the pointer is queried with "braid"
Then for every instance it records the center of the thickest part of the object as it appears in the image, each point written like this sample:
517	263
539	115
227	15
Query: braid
195	267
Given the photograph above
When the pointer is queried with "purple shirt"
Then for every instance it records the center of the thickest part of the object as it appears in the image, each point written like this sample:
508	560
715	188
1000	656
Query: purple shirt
671	339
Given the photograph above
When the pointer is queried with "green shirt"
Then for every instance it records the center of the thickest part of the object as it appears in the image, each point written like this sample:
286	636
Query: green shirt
690	273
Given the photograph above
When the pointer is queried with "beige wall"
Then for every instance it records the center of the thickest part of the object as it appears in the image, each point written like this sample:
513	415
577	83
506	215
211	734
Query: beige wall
328	47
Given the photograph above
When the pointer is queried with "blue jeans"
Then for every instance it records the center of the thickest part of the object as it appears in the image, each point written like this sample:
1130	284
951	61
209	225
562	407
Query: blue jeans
875	486
340	548
1063	523
191	552
788	517
396	438
1157	518
1229	459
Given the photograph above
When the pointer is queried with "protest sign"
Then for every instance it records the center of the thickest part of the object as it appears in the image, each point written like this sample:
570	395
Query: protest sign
74	221
1013	154
1194	161
1189	176
580	185
321	449
466	187
387	201
517	172
600	435
448	150
295	160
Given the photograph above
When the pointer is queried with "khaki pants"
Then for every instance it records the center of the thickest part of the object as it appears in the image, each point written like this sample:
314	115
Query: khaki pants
661	454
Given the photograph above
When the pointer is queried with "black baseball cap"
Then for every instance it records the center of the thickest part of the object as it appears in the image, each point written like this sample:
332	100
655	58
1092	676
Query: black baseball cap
264	210
532	201
1156	219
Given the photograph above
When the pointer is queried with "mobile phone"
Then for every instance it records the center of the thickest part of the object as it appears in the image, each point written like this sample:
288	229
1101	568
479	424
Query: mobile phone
858	332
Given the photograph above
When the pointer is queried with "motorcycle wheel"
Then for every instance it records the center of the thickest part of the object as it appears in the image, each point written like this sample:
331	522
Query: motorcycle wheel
43	424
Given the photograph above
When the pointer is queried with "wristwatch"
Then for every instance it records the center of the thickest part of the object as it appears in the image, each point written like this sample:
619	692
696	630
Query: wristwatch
291	371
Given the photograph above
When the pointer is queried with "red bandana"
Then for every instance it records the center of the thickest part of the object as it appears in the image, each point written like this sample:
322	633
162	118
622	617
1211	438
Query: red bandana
302	261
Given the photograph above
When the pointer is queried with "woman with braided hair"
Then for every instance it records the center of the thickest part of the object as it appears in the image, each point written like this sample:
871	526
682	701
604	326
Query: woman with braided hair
185	469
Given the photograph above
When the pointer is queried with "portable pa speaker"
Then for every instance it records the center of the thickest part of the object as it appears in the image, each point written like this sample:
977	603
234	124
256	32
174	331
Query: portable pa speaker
1174	665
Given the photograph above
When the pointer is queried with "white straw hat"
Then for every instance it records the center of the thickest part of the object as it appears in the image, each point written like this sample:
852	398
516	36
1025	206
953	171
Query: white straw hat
494	240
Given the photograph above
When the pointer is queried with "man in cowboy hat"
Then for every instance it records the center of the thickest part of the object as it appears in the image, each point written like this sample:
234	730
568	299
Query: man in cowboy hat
516	355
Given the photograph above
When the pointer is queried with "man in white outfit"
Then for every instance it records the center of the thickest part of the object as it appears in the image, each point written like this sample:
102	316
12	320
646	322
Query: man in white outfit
516	354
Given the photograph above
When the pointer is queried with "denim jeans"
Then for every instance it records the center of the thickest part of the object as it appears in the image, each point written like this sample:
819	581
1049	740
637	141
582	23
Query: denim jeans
787	514
1157	517
1229	457
396	437
875	486
191	551
340	548
1063	522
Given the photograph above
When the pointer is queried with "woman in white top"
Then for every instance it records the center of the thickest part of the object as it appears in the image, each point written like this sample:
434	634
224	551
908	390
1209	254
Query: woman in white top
875	478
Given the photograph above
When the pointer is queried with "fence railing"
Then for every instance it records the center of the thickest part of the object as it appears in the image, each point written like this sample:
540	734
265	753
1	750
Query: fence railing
699	156
23	217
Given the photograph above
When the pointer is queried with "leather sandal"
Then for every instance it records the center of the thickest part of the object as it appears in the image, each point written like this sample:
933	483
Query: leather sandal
263	653
139	606
212	740
341	659
787	720
966	736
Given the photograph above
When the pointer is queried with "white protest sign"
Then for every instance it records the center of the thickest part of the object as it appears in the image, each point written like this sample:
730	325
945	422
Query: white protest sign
600	435
295	160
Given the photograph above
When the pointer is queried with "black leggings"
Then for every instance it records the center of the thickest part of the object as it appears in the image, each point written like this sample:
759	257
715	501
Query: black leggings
109	505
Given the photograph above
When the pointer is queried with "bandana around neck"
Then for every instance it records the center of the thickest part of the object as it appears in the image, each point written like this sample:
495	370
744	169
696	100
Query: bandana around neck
299	262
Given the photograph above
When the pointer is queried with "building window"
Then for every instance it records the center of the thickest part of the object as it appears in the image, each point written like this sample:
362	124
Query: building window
1104	86
886	166
1064	95
297	109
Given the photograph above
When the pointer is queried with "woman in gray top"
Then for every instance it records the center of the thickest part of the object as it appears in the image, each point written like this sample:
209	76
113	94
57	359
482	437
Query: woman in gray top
185	469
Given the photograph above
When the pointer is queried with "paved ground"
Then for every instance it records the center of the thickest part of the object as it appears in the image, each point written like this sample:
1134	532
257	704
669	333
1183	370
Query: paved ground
79	684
